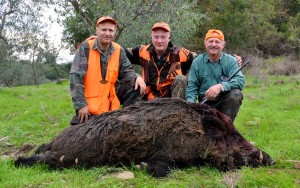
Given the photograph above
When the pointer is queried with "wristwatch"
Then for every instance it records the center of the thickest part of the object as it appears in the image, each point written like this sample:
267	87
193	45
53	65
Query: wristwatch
222	88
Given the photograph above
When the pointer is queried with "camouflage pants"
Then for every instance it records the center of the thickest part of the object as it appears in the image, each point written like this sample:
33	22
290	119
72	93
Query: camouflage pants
178	87
126	93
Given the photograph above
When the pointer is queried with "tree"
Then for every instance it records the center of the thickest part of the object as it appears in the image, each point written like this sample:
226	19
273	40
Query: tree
24	43
294	35
240	20
134	18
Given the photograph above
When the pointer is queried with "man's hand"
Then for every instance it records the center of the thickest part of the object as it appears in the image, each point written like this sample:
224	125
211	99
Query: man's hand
239	59
83	114
140	82
213	91
194	54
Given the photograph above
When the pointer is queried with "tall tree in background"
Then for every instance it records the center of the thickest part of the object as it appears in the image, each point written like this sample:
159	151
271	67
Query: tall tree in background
287	20
23	42
241	21
134	18
262	27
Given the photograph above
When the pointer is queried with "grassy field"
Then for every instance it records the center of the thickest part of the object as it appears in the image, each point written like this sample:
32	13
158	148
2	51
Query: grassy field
269	117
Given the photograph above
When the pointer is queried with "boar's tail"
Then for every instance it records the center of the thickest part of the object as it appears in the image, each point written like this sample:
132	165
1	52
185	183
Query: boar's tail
30	161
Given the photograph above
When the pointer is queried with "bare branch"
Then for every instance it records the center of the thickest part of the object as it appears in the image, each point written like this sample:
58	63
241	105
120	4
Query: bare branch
4	39
87	21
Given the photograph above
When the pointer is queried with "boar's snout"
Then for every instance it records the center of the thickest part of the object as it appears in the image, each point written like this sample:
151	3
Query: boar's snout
260	158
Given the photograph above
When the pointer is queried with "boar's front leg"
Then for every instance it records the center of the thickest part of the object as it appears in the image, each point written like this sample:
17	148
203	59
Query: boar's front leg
158	168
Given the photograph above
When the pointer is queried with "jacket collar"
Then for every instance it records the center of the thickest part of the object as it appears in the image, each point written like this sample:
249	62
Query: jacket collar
96	46
209	61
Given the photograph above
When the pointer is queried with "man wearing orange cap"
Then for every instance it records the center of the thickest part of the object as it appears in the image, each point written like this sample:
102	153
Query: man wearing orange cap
207	73
163	65
97	65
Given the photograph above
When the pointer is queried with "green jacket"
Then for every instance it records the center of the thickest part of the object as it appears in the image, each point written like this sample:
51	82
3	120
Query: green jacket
204	74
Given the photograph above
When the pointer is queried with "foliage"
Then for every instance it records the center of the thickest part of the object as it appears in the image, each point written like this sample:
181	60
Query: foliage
24	43
134	18
294	34
11	73
241	21
287	67
248	25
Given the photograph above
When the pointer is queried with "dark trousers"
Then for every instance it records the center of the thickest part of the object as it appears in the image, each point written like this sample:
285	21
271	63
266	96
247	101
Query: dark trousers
126	93
229	103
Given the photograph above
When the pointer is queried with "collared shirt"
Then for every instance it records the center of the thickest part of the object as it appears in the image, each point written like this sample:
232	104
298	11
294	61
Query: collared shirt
204	73
80	65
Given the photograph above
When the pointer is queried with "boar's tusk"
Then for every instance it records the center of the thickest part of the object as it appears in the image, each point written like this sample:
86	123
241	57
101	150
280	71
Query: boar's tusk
261	157
61	158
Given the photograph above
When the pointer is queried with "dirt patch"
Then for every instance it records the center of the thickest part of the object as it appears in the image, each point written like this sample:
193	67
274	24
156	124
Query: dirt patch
14	152
296	163
231	179
117	173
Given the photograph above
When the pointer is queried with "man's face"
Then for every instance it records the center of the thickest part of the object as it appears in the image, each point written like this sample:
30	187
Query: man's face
105	32
160	40
214	46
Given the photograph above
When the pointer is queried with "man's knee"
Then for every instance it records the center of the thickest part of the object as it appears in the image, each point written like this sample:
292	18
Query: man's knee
126	93
235	95
180	79
178	86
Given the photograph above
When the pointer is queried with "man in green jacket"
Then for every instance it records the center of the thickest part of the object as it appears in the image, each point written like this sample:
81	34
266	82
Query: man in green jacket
208	73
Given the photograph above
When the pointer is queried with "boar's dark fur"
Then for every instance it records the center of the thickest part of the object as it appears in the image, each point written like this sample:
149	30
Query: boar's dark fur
163	133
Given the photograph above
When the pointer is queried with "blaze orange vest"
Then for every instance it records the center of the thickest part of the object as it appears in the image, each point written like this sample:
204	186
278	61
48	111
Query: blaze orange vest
101	97
175	69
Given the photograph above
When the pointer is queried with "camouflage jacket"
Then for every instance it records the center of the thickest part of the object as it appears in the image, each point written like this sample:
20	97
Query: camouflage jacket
161	63
79	69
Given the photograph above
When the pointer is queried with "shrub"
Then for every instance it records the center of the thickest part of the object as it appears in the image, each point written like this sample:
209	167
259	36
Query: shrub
287	67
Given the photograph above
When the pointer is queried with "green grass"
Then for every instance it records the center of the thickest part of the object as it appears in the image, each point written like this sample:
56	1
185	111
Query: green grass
269	117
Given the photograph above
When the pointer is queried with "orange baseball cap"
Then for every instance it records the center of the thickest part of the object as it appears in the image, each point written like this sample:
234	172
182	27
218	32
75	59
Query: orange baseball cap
213	33
106	18
161	25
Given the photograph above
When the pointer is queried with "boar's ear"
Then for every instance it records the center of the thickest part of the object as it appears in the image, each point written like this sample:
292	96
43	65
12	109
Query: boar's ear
213	126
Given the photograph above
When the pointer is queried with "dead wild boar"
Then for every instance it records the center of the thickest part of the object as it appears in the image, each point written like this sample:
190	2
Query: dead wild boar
160	134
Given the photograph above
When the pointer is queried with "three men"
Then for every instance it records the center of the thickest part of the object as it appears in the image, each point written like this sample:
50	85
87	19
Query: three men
98	84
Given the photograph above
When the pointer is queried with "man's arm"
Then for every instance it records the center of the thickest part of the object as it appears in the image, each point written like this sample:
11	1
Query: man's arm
193	83
185	66
77	74
127	73
133	55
